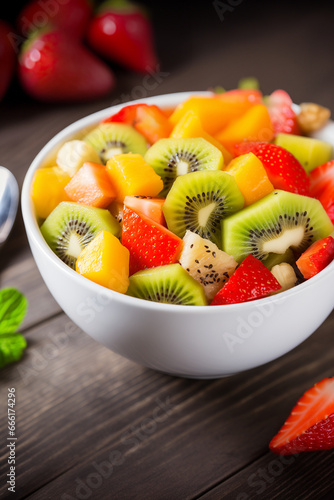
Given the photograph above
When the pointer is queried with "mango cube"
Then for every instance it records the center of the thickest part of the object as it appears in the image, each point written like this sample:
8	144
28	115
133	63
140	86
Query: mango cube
254	125
251	177
47	190
132	176
106	262
190	125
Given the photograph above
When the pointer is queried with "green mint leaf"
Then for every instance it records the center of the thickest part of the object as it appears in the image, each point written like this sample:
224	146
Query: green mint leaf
11	348
13	307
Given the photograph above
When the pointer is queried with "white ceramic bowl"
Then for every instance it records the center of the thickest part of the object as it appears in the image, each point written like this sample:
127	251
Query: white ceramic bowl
197	342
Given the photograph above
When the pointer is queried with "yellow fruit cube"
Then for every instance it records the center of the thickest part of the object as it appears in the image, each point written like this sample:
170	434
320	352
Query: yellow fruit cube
251	177
132	176
47	190
254	125
190	125
106	262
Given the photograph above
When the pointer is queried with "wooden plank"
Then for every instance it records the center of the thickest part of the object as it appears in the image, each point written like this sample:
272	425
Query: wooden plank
76	408
297	477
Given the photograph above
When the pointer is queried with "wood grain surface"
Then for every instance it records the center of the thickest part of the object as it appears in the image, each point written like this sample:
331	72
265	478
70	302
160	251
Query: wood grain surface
91	424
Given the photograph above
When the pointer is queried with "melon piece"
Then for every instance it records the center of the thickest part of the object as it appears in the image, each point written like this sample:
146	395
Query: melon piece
309	152
208	265
91	186
151	207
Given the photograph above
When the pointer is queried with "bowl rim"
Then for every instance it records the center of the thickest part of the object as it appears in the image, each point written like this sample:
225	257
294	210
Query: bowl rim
33	231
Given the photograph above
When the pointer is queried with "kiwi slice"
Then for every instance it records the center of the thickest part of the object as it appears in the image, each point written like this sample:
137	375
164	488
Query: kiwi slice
71	226
274	259
279	221
173	157
309	152
198	201
169	284
110	139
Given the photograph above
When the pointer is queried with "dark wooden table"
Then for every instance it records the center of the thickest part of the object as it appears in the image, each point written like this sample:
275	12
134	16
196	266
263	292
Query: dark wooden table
93	425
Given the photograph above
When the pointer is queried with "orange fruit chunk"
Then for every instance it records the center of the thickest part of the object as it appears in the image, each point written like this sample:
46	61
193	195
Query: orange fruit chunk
190	125
151	207
213	112
251	177
254	125
91	186
106	262
152	123
47	190
132	176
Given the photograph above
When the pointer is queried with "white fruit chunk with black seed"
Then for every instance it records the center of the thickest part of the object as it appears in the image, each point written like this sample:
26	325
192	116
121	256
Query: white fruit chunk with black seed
203	260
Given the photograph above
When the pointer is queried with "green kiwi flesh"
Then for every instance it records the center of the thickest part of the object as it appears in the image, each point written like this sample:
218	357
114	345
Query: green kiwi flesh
71	226
279	221
199	201
275	259
169	284
309	152
109	139
172	157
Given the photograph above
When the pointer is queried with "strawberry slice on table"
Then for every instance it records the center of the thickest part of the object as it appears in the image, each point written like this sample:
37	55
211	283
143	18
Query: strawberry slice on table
149	243
283	117
251	280
316	257
310	426
283	169
54	67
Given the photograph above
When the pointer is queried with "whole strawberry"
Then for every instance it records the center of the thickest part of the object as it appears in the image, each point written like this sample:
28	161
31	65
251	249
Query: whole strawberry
121	32
7	58
70	16
54	67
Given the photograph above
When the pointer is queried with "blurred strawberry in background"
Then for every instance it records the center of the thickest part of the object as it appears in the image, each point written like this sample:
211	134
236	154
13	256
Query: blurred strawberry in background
70	16
55	41
54	67
121	32
7	58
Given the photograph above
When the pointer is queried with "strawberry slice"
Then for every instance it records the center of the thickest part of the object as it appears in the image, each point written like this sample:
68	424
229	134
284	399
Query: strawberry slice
283	169
322	177
252	280
149	243
316	257
327	200
310	426
283	117
148	119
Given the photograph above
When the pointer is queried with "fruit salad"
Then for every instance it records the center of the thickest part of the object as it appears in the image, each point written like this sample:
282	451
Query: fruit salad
221	200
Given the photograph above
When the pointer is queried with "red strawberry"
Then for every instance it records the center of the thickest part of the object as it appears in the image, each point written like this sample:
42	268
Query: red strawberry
310	426
121	32
283	117
7	58
251	280
149	243
316	257
149	120
327	200
283	169
53	67
70	16
321	178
